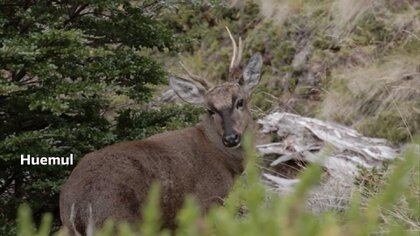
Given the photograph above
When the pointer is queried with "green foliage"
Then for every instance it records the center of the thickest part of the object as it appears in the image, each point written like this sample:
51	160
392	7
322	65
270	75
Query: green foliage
193	19
151	217
134	124
62	65
26	226
372	29
251	209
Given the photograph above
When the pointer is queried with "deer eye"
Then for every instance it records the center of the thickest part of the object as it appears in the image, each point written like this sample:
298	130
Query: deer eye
240	103
210	112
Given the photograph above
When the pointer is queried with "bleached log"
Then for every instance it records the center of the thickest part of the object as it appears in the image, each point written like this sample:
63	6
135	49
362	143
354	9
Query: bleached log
281	182
308	135
339	149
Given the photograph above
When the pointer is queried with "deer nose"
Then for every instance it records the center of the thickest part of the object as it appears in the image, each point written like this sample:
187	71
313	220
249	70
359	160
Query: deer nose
231	140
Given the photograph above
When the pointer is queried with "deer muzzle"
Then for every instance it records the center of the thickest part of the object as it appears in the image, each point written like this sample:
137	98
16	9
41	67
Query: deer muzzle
231	139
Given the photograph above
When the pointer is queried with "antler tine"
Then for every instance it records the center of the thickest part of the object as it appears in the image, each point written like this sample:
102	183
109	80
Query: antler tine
196	78
240	49
233	60
236	57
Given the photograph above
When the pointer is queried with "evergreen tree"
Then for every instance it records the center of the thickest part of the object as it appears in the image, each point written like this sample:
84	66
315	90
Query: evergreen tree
61	64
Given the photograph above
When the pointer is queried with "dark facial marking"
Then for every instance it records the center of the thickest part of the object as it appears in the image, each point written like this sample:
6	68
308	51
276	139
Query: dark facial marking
227	125
234	98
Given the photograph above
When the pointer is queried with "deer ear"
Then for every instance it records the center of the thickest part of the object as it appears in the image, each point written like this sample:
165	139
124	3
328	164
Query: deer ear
187	90
252	73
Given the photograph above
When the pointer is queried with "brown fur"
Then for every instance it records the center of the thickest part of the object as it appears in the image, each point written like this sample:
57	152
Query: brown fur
115	180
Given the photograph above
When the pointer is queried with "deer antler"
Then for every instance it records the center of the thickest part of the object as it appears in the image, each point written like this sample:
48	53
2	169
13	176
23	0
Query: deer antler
236	56
207	85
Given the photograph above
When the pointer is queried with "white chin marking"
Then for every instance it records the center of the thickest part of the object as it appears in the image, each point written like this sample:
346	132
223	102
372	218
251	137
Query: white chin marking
235	147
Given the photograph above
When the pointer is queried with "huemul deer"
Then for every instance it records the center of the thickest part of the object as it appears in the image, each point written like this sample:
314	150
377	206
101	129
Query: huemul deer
202	161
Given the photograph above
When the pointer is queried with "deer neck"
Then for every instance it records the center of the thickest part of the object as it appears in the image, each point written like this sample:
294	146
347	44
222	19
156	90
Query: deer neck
234	157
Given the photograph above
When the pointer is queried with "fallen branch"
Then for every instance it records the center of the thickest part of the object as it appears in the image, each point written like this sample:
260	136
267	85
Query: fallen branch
339	149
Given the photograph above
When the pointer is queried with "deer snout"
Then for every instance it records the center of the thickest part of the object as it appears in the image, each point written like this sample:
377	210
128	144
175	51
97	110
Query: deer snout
231	139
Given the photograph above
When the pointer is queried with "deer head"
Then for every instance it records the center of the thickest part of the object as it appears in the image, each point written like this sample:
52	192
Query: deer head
228	103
